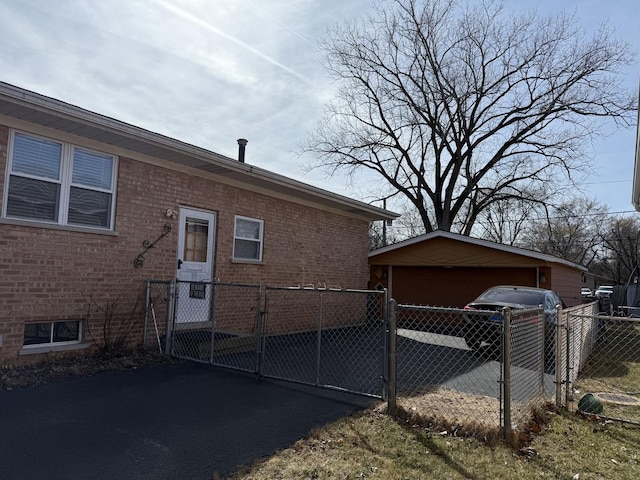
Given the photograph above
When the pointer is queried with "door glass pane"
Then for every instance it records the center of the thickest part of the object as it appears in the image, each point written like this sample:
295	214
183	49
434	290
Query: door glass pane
36	156
88	207
196	240
92	169
28	198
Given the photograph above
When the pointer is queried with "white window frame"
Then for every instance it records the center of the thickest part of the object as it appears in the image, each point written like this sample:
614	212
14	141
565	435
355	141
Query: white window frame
65	183
259	240
51	342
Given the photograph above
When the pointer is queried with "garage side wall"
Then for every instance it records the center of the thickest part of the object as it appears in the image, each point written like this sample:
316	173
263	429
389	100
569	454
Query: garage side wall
567	282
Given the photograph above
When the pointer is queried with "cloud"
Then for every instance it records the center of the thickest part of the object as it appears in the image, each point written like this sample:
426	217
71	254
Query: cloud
204	72
218	31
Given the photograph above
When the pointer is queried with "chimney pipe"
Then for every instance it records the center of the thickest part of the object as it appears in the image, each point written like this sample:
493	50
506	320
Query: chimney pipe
242	143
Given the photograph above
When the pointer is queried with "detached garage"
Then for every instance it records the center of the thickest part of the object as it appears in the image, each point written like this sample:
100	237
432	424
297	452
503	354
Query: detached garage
450	270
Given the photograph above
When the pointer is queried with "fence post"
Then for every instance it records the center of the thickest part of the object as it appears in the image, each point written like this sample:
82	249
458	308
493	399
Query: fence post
146	314
319	339
264	325
506	364
569	341
392	335
260	313
170	316
558	359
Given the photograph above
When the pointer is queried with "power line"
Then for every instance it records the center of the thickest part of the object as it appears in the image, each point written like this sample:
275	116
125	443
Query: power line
607	181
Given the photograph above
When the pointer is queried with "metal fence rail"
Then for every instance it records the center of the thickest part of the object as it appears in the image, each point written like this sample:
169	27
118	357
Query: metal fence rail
332	338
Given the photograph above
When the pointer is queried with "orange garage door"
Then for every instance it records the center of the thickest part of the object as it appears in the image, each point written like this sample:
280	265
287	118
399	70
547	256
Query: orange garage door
452	287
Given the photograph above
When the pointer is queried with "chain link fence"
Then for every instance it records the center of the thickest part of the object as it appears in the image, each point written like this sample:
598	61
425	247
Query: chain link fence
480	371
158	315
529	365
332	338
602	357
450	371
576	337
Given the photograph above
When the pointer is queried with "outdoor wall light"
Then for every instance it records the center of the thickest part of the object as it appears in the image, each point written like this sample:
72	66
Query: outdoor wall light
171	213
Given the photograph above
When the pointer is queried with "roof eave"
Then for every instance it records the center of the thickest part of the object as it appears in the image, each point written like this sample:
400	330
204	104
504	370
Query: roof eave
477	241
189	155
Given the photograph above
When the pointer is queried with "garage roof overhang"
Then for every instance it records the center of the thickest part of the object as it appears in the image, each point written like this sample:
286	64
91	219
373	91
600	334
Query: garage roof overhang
33	108
538	257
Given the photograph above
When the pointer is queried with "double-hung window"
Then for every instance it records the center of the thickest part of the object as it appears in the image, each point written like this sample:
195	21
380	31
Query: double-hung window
56	182
247	239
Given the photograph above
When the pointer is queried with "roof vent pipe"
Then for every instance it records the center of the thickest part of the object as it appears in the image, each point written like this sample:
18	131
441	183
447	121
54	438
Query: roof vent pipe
242	143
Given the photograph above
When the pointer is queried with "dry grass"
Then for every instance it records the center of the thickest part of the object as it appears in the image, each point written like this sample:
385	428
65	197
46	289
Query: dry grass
373	445
443	434
466	414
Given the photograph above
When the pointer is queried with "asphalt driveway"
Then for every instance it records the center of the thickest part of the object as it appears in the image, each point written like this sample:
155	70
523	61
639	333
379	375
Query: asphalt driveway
180	421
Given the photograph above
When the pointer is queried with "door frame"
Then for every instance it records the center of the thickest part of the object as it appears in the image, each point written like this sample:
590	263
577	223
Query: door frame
205	277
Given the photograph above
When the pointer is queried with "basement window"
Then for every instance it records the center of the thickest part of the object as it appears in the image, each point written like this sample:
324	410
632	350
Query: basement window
248	239
52	333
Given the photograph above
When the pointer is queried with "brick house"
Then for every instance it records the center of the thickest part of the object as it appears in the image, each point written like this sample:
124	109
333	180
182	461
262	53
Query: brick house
450	270
81	193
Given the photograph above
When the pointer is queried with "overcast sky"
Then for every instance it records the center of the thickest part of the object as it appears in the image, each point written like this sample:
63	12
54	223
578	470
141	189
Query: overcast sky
208	72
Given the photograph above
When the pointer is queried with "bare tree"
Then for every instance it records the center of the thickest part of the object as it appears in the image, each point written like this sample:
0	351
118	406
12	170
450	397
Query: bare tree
409	224
460	106
380	236
507	221
621	250
572	231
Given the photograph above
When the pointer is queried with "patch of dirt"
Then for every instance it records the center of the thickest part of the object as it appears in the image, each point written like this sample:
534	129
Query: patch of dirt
463	414
55	369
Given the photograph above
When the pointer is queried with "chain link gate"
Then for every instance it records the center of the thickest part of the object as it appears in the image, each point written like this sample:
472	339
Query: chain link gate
217	323
332	338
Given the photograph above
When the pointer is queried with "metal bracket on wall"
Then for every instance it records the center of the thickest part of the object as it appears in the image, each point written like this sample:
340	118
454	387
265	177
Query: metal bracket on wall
139	261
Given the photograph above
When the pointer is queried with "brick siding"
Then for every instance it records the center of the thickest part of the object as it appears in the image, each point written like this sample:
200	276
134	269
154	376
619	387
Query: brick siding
51	273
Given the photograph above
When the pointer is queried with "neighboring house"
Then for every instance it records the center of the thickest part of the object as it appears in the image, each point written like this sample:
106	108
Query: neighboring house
81	192
450	270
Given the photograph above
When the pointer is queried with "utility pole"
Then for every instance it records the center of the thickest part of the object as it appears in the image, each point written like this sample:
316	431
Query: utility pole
384	224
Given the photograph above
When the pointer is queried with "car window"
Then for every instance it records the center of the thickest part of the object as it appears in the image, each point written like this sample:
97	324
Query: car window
550	301
510	295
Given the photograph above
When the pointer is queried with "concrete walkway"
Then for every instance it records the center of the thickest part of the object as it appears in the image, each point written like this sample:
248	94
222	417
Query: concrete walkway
172	422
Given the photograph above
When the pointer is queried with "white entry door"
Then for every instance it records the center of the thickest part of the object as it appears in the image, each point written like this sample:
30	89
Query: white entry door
195	265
